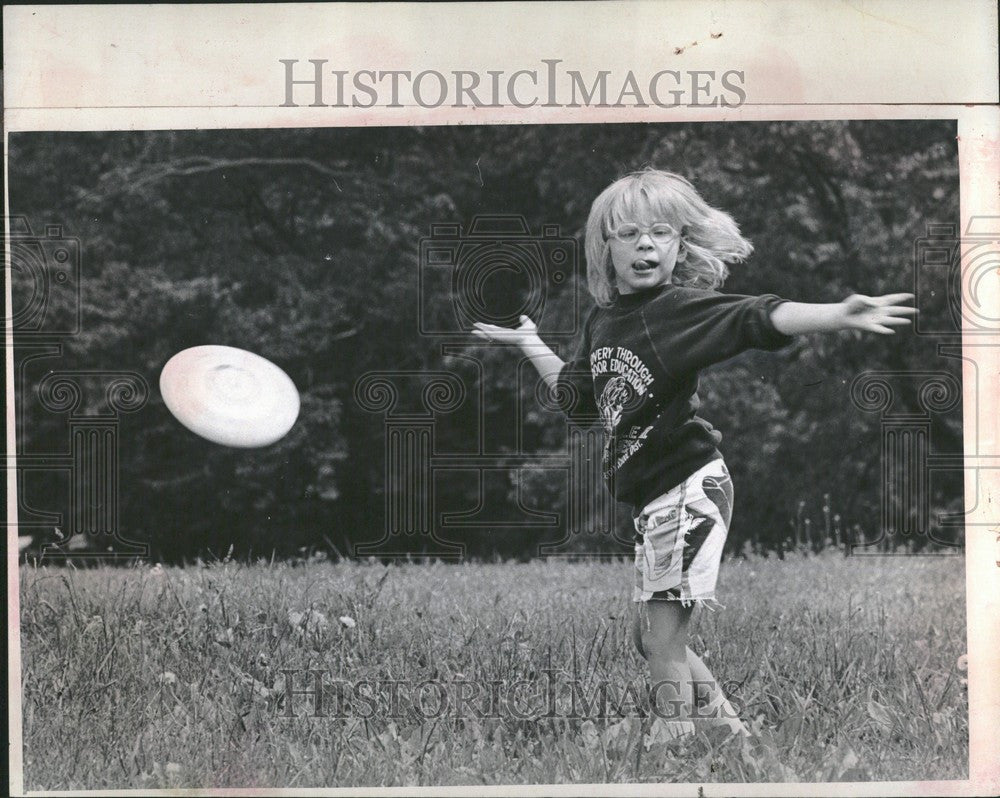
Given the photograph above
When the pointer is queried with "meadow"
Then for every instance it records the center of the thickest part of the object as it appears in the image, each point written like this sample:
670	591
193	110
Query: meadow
845	668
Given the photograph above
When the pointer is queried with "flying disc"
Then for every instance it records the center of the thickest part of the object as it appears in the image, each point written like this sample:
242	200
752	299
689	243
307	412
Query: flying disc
229	396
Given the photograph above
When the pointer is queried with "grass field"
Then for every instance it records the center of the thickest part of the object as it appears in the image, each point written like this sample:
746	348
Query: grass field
848	669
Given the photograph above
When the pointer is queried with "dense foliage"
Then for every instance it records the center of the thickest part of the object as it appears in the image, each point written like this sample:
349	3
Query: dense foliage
304	246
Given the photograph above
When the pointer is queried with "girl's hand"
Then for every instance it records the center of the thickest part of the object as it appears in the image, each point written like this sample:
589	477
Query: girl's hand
878	314
526	333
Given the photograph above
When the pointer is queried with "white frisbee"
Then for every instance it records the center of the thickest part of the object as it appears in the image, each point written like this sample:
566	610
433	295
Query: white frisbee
229	396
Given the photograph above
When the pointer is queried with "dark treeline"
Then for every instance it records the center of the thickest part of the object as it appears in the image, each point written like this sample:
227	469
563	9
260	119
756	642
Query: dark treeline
305	247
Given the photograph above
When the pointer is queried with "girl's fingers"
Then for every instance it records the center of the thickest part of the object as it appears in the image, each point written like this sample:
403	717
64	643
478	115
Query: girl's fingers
494	334
881	330
491	328
900	310
893	321
893	299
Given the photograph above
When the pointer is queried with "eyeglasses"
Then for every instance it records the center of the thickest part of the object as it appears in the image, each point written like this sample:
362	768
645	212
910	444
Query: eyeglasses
630	232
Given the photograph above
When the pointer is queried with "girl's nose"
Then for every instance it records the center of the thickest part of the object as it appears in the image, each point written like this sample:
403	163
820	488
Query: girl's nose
644	242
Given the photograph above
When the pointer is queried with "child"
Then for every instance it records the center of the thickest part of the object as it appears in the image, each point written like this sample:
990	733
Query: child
656	252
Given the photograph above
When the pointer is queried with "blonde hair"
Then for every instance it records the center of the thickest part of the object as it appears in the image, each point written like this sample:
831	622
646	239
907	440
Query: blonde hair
709	237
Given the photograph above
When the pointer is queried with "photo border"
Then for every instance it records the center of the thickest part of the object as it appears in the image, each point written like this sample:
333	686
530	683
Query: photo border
45	73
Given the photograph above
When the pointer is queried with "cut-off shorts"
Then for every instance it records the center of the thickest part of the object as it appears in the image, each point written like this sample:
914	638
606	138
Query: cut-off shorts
680	536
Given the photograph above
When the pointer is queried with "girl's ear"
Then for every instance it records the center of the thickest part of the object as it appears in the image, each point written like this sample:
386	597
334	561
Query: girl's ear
682	252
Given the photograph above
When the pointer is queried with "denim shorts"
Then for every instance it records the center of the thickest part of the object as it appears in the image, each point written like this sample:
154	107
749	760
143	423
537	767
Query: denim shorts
680	536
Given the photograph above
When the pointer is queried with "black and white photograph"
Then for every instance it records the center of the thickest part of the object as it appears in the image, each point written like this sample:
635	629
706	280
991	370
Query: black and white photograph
483	455
347	408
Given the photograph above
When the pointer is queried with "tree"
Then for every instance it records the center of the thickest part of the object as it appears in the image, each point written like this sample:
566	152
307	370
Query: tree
304	246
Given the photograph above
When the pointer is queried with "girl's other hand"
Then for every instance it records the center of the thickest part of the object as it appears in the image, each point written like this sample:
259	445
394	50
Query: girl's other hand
522	335
878	314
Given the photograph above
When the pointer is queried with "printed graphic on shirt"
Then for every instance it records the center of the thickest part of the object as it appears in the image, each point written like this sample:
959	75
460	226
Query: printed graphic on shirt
616	395
624	447
624	390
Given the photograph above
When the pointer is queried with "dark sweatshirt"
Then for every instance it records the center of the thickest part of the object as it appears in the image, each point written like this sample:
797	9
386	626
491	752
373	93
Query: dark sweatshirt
636	370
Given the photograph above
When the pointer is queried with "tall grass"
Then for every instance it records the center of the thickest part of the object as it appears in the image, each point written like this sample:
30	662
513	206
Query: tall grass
154	677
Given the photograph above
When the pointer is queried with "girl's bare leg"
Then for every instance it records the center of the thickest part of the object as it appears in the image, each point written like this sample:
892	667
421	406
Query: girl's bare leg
684	688
660	631
714	708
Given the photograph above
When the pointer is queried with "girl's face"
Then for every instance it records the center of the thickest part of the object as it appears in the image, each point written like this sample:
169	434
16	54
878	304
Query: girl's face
644	252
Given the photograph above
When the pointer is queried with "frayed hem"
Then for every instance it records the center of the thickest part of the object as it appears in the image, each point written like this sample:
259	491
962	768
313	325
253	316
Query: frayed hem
708	602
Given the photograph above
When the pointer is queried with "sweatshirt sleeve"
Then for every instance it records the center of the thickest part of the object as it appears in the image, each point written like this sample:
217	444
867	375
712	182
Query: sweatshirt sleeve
574	391
696	328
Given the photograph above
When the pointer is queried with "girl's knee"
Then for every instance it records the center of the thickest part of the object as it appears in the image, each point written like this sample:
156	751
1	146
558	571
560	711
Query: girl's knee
664	647
660	632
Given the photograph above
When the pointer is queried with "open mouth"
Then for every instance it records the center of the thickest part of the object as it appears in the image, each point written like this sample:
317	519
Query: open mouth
643	265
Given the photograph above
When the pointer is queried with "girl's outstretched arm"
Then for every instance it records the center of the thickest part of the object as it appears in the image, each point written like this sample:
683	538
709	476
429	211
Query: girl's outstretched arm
526	337
878	314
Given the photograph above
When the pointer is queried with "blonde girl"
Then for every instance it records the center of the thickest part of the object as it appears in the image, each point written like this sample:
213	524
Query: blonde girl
656	255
